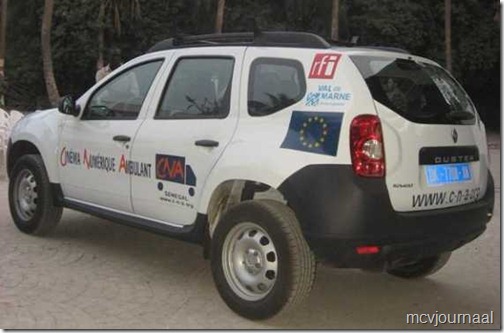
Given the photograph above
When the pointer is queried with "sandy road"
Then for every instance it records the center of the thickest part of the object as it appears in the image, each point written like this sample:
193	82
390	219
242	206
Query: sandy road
95	274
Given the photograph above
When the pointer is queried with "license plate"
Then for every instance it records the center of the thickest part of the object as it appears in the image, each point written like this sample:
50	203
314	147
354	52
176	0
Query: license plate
438	175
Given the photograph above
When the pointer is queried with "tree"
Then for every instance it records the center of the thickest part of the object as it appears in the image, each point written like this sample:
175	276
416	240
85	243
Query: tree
3	33
52	89
447	28
219	19
113	10
335	20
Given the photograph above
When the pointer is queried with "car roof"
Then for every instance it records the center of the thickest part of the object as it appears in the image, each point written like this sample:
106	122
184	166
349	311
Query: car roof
277	39
258	38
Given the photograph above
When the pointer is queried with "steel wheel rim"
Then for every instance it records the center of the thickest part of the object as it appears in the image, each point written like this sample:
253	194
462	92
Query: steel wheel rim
250	261
25	194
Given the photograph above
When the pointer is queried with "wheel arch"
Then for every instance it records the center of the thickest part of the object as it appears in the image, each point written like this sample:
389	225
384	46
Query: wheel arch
232	191
37	133
24	147
18	149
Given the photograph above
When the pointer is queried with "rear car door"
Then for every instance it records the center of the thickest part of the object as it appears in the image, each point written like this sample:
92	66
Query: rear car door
186	132
94	149
435	143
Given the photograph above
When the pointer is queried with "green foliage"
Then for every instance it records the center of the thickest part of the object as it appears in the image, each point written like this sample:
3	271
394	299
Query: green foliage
415	25
389	22
23	73
74	45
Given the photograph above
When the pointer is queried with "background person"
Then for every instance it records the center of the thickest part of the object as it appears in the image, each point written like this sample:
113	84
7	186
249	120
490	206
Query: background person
114	62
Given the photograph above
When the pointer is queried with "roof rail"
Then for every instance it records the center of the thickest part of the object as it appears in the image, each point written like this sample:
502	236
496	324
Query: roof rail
260	38
387	48
353	42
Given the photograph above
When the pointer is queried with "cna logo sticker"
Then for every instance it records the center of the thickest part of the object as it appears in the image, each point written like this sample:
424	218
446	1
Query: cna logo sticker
174	169
324	65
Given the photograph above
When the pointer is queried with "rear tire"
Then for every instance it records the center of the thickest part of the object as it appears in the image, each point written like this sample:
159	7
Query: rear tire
31	200
260	261
420	268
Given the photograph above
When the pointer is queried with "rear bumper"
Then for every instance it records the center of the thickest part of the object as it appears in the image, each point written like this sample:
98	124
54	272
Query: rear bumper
339	212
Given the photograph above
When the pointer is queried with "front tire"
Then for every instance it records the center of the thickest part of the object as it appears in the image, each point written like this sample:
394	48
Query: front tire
420	268
31	200
260	261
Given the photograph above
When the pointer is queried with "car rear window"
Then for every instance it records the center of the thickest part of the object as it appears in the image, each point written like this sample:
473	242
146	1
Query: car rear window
419	92
198	88
274	84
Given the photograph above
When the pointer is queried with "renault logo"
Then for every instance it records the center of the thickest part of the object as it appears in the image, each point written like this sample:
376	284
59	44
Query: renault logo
454	135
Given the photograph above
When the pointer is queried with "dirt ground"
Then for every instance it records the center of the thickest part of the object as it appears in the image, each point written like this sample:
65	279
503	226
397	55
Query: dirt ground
91	273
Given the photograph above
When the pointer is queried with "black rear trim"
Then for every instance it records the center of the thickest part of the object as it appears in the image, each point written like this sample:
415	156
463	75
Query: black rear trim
338	211
448	155
193	233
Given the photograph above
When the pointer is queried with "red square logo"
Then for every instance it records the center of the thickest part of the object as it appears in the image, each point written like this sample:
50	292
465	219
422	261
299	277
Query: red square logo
324	66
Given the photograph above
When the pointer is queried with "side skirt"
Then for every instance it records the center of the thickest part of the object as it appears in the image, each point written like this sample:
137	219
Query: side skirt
193	233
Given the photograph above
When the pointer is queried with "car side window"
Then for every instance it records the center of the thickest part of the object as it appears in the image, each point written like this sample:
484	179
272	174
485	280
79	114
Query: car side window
122	98
274	84
198	88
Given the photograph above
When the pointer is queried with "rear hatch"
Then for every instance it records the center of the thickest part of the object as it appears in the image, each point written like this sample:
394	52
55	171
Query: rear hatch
435	143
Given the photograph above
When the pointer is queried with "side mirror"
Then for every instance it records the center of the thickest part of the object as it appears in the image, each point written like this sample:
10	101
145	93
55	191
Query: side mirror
67	106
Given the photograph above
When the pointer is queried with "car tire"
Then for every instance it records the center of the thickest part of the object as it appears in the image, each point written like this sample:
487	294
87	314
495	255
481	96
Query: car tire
420	268
31	200
261	263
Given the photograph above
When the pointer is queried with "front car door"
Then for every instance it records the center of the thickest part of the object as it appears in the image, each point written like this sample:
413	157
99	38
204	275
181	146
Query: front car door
94	151
186	132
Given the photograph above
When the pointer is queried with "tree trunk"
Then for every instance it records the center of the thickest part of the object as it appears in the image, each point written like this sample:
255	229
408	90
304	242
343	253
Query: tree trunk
219	19
335	20
101	35
497	11
3	31
52	89
448	35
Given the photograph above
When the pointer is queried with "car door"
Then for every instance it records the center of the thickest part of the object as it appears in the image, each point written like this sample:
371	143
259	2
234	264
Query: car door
187	132
94	151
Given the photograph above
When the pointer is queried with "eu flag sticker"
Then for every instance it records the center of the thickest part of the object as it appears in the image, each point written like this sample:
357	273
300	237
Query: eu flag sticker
314	132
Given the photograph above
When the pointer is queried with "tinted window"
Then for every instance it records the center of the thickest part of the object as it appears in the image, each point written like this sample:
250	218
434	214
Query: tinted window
274	84
418	91
198	87
122	98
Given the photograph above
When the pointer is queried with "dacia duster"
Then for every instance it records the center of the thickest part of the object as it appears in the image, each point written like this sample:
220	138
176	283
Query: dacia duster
274	150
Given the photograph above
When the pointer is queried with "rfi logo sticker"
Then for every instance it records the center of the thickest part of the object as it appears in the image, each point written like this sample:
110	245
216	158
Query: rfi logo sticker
324	65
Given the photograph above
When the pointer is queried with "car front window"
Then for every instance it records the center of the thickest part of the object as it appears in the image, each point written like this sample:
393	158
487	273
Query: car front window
123	96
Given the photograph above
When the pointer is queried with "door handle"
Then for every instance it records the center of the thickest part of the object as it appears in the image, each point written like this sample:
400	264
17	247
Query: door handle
122	138
207	143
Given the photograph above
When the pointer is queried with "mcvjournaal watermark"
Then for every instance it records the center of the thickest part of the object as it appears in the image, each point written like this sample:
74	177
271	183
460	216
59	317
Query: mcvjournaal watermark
438	318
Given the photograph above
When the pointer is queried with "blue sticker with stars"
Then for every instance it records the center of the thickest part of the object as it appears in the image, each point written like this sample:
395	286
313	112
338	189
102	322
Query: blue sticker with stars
314	132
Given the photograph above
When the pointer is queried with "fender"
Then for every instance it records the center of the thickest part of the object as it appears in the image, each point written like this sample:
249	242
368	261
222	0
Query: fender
42	129
226	174
269	165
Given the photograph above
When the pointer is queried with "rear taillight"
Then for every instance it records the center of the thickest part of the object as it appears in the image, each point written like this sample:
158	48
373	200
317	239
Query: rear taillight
367	249
366	146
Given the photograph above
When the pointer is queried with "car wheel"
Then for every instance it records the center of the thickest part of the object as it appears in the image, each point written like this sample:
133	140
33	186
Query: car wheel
31	200
260	260
420	268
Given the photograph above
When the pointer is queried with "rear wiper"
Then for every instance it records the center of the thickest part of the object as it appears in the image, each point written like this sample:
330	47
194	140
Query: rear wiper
460	115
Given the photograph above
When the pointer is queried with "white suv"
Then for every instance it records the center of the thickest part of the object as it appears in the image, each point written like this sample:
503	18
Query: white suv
274	150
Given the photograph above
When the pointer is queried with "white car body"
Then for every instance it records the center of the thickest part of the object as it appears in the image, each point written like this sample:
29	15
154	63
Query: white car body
369	158
249	147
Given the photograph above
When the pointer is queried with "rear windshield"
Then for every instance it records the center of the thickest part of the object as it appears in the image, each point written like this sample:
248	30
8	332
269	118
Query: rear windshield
417	91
